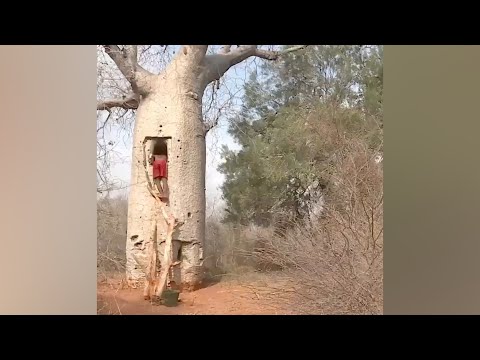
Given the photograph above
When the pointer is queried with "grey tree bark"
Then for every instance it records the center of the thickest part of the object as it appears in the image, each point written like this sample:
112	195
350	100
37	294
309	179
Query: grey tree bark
169	106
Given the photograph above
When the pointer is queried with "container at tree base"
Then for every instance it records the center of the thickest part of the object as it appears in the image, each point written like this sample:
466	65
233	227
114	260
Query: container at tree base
170	297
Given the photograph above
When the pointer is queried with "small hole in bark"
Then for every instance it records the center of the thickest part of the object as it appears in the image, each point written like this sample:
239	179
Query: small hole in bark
178	140
189	214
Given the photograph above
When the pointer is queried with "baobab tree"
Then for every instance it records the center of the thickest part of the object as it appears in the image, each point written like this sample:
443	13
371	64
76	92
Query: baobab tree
169	107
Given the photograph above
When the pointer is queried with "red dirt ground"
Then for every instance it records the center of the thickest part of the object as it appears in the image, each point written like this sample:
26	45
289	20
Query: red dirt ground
227	297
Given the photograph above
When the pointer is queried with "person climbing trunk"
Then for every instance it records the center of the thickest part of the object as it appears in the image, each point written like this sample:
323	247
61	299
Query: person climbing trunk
160	175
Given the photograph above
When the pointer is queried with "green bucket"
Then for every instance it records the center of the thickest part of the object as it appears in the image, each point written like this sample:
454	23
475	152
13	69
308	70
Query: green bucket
170	297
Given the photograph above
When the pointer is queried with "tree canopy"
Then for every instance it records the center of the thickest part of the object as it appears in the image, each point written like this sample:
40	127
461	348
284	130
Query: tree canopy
297	115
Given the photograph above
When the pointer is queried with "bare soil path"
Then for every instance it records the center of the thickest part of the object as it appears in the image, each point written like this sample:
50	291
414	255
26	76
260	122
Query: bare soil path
227	297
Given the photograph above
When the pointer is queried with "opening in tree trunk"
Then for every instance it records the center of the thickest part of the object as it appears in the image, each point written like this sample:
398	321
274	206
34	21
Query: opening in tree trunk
170	121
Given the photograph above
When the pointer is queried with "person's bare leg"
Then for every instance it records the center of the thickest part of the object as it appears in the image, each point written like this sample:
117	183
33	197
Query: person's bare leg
158	184
166	191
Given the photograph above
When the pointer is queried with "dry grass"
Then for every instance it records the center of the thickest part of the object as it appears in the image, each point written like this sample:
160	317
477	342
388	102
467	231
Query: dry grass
111	234
335	265
225	248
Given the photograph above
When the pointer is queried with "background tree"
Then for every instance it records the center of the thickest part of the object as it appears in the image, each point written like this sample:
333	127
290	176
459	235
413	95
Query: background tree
295	114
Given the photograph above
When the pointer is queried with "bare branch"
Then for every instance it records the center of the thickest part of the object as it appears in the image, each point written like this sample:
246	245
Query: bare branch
129	103
217	64
274	55
126	61
117	55
131	53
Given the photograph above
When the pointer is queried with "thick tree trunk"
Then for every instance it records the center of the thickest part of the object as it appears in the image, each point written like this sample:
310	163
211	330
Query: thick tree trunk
172	110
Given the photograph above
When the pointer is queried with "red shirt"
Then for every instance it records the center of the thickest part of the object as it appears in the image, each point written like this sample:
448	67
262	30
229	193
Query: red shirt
160	168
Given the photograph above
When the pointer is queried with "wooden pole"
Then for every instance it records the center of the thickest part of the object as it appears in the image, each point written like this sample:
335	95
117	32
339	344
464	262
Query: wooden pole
153	284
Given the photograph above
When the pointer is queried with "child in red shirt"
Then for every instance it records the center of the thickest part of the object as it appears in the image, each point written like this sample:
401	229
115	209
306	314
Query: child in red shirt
160	175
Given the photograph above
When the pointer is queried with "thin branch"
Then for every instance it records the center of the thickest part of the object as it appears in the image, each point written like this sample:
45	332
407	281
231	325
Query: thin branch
105	122
210	125
128	103
274	55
